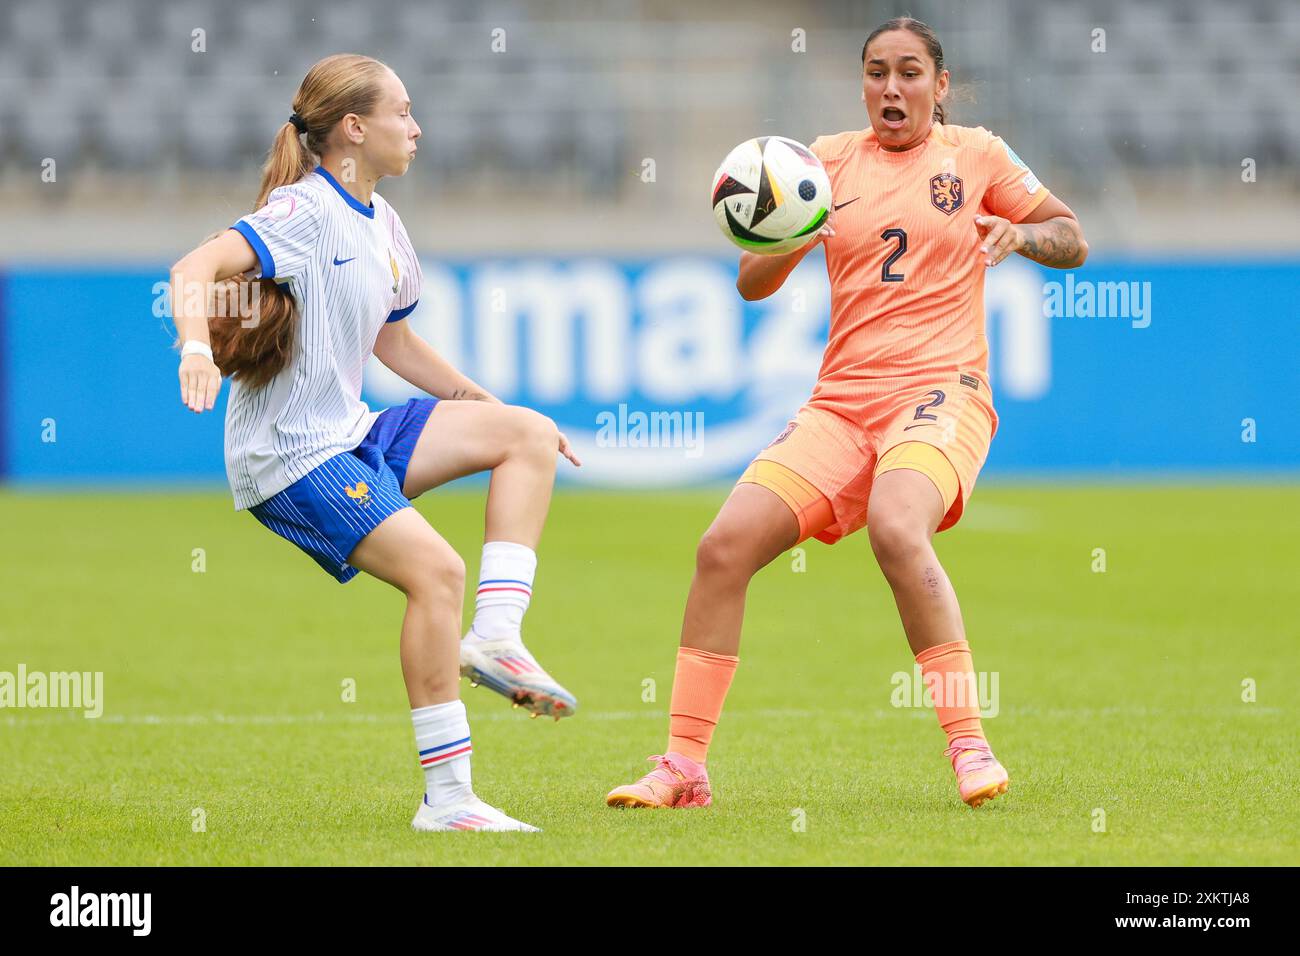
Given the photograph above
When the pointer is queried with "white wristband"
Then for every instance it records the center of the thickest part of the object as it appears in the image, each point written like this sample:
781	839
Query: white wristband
195	347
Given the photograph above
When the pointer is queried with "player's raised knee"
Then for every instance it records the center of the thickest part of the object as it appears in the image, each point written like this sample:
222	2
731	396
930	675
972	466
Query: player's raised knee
543	431
534	432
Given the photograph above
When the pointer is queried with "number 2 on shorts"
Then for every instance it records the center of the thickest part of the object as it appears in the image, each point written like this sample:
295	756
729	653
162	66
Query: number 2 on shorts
921	413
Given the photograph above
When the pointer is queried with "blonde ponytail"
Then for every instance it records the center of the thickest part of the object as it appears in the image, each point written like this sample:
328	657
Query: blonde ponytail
287	161
256	347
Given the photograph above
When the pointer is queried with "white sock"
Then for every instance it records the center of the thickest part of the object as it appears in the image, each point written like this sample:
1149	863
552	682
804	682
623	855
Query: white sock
505	586
442	739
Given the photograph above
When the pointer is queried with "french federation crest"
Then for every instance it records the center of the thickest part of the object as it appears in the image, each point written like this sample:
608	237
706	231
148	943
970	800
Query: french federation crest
947	193
360	494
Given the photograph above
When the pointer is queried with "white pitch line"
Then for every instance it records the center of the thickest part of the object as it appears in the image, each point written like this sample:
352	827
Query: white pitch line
880	713
164	720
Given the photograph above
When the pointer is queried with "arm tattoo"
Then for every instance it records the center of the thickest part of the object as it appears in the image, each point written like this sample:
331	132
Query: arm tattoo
1053	243
465	395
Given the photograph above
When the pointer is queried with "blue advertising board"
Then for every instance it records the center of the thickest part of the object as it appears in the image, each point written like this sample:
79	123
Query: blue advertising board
662	375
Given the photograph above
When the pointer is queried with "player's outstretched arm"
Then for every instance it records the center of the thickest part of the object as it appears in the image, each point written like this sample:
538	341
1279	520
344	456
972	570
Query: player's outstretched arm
192	281
760	276
1050	235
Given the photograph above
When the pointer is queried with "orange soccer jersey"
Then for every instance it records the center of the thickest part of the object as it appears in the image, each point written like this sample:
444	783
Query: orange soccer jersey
903	382
907	279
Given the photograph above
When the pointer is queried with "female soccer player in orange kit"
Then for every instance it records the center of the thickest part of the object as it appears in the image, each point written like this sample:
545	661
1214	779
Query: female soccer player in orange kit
900	420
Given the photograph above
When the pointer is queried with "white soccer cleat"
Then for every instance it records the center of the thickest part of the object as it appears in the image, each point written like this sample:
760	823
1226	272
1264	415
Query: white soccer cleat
469	814
505	666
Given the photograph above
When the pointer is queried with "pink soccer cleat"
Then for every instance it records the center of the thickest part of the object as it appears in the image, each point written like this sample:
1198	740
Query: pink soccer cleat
979	775
676	781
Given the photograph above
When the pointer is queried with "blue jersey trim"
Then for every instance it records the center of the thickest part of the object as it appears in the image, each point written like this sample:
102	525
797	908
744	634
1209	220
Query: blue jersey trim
399	314
351	200
264	256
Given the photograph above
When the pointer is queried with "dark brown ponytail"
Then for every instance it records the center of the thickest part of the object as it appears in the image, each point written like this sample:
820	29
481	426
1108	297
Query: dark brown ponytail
251	328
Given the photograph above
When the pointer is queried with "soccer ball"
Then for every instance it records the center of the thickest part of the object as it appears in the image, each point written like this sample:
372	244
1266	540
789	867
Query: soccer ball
771	195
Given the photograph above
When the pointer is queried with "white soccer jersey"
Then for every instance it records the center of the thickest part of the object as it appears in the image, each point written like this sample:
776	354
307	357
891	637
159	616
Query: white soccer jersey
351	268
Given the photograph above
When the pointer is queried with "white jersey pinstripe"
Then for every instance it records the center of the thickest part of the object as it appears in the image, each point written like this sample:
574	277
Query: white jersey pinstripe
351	268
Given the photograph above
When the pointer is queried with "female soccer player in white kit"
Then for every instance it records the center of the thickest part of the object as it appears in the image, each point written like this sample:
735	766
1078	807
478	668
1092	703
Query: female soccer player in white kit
335	277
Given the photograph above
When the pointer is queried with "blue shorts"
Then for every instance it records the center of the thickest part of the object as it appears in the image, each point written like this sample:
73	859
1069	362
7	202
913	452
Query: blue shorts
336	504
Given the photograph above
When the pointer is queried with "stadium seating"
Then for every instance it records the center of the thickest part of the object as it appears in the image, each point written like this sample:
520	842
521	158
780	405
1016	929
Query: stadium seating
115	82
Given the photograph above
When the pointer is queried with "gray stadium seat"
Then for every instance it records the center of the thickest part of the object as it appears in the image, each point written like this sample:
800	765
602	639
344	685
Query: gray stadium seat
117	75
447	142
39	23
50	120
130	125
210	130
113	22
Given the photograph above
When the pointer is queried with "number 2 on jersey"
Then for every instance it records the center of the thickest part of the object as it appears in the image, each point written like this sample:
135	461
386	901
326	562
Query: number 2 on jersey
901	236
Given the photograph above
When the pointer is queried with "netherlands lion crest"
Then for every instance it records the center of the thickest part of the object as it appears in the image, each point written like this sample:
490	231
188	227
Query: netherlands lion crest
947	193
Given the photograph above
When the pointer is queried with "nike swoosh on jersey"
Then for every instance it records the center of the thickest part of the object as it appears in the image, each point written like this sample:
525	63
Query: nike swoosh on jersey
339	262
841	205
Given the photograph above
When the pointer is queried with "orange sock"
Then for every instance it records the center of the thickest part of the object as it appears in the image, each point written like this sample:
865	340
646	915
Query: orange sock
947	671
699	688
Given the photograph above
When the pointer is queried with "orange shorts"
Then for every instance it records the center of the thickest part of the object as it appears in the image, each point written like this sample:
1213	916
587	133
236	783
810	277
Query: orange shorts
834	447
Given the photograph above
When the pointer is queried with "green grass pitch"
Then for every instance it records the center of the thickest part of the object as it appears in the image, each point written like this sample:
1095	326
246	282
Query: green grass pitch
1120	692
